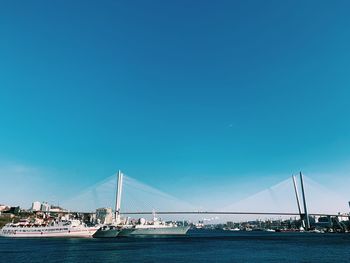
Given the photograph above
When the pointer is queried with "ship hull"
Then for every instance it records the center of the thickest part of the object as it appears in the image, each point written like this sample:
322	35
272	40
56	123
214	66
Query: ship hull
106	233
46	233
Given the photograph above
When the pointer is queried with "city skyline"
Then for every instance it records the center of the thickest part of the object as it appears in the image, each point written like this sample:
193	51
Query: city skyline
196	100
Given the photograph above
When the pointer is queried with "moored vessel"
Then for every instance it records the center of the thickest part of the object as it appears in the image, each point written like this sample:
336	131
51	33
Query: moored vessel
64	228
153	228
107	231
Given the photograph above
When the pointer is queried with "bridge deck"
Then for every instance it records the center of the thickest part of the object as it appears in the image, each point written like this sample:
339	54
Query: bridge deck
225	213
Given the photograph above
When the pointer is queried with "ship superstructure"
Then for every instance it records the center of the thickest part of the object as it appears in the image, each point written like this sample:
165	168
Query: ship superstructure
63	228
155	227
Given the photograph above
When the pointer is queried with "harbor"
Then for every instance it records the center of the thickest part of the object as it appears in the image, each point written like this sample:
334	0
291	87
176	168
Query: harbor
43	220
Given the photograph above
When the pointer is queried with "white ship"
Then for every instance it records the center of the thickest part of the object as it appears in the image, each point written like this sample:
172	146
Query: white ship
107	231
155	227
64	228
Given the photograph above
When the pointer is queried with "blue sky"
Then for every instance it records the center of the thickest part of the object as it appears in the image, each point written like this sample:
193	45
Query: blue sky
191	98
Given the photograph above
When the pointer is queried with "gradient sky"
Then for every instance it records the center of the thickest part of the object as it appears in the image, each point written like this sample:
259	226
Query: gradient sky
193	98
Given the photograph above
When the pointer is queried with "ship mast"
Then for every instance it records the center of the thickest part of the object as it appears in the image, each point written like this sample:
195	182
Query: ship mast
118	197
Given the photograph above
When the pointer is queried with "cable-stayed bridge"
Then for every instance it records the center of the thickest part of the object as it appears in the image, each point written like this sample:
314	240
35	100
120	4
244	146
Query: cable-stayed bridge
284	199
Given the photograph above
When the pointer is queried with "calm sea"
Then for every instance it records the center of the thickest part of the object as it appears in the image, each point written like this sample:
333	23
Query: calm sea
198	246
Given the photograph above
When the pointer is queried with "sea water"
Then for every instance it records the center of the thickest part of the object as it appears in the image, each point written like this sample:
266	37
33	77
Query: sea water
197	246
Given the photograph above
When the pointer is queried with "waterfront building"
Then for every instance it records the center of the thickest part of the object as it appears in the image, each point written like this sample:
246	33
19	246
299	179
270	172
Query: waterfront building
45	207
12	210
104	215
36	206
4	208
56	209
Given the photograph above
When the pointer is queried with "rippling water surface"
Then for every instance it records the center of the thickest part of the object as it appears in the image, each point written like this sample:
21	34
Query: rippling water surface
197	246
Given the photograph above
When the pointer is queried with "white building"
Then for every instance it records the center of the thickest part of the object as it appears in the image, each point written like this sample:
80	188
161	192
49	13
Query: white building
4	208
36	206
104	215
45	207
56	209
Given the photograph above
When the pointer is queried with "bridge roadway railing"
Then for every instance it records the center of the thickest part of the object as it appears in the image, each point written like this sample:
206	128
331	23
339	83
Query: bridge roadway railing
224	213
200	213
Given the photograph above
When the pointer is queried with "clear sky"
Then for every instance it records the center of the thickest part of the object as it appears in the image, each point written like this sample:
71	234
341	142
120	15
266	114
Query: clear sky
193	97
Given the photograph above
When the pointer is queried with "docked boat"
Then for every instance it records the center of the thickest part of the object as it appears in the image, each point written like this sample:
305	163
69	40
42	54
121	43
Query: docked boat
64	228
107	231
153	228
